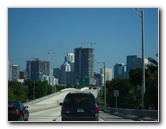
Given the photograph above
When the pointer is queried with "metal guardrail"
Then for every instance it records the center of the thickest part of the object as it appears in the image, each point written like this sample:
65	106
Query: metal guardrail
141	113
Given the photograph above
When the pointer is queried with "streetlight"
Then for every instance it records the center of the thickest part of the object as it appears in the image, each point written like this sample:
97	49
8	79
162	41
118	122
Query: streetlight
34	90
104	87
141	14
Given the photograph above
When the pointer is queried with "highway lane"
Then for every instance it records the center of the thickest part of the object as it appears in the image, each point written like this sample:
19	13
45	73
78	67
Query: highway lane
111	118
53	99
48	115
53	115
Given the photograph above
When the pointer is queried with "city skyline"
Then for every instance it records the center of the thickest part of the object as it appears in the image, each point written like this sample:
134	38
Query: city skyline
50	33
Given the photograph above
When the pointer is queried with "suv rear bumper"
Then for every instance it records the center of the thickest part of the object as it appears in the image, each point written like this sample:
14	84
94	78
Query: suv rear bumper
79	118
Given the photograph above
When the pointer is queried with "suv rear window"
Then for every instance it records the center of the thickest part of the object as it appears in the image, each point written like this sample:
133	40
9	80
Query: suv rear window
79	99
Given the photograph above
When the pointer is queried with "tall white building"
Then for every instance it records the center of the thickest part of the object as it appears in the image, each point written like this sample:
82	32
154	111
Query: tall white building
15	72
69	57
9	71
108	75
67	69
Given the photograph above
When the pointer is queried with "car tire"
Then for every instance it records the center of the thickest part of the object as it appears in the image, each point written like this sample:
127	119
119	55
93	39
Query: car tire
21	118
97	119
63	119
27	119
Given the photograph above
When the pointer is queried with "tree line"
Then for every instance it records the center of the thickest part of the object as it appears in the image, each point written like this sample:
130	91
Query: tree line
130	90
30	90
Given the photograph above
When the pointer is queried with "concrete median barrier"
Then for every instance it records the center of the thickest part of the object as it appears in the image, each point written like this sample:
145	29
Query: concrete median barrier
49	101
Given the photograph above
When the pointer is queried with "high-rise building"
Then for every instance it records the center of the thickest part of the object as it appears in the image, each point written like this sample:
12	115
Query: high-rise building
57	74
9	71
37	68
69	57
119	71
137	63
134	62
108	75
15	72
67	70
84	64
22	74
129	64
98	78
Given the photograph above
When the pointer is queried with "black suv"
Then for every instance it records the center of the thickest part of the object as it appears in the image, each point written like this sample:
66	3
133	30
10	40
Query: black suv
79	107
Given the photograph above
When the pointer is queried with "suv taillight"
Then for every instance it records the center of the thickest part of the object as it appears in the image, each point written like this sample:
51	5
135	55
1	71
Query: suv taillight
63	108
97	108
14	111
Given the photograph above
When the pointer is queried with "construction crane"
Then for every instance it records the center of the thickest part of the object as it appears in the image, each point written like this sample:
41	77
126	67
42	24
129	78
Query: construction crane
91	43
81	43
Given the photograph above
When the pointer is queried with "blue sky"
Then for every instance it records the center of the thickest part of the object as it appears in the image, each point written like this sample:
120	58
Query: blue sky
35	32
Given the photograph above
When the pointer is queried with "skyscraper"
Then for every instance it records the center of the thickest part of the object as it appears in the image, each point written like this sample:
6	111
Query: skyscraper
129	64
37	68
137	63
67	70
9	71
57	74
84	64
108	75
119	71
69	57
134	62
15	72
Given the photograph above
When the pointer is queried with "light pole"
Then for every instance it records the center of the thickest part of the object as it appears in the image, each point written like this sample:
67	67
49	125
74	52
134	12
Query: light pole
104	87
141	14
34	90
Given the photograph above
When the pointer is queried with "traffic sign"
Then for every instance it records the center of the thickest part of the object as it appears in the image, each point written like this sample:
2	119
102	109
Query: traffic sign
116	93
84	81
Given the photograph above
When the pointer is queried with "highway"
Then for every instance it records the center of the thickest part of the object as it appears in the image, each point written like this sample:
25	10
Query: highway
47	109
53	115
46	115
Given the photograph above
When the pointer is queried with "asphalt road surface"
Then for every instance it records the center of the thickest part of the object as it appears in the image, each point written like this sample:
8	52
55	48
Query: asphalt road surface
53	115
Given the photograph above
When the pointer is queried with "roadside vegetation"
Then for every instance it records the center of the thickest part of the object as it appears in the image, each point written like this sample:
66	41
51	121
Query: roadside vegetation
30	90
130	90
